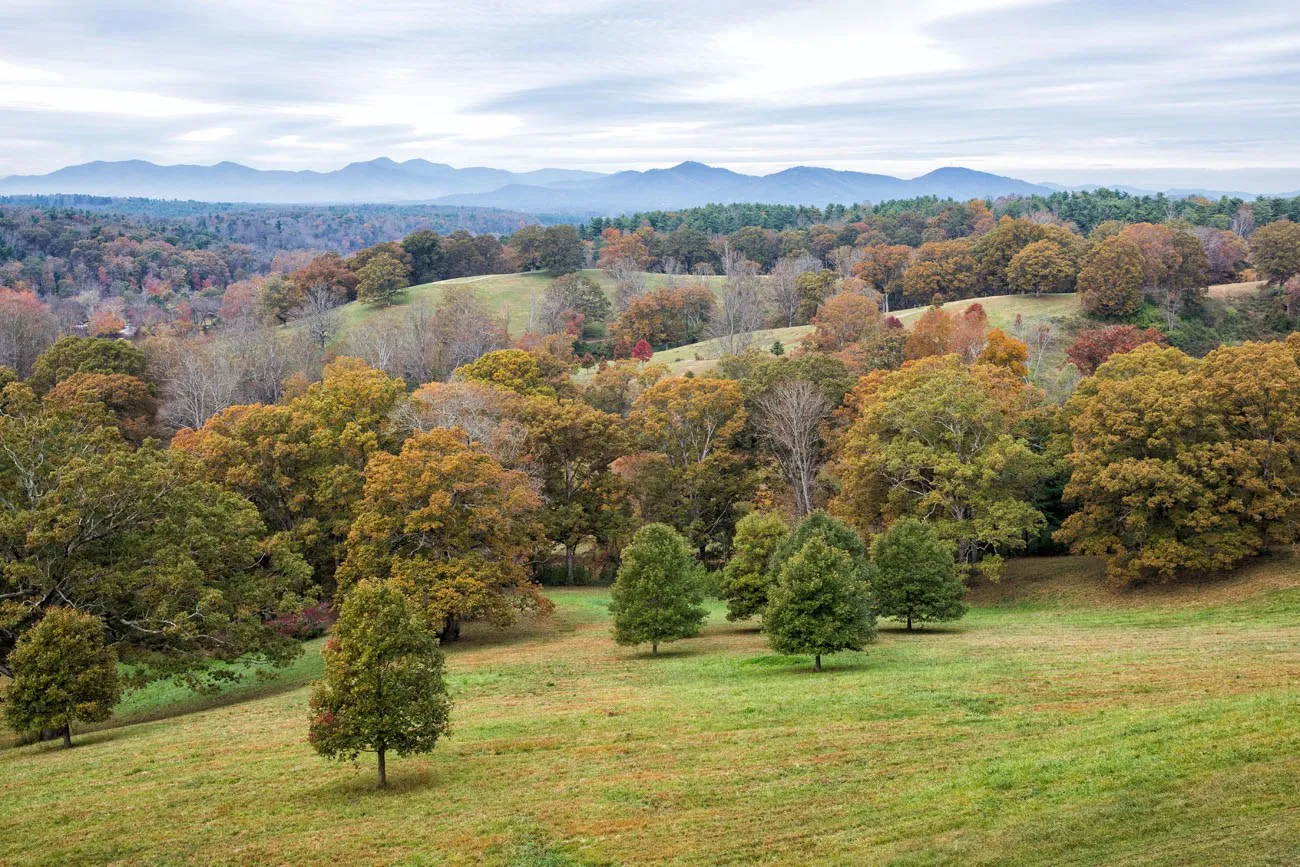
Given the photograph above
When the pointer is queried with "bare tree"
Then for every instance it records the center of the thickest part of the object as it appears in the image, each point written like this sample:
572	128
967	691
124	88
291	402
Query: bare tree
629	281
199	380
846	259
784	285
790	415
1040	340
319	313
743	309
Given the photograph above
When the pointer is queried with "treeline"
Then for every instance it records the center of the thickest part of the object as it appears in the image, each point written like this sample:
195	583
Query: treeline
1084	208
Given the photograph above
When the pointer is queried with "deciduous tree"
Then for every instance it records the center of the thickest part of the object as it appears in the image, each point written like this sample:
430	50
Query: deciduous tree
383	688
819	604
746	577
657	595
913	576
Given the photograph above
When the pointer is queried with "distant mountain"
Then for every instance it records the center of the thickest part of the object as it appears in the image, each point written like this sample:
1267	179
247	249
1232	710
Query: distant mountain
381	180
691	184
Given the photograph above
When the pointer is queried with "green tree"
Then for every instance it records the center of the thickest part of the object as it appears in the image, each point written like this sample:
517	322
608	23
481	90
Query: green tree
818	525
425	249
63	672
819	604
913	576
1043	266
560	250
657	595
381	281
68	356
746	577
383	687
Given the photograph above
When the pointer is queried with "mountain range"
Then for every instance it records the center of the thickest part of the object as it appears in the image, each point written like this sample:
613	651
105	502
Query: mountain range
546	191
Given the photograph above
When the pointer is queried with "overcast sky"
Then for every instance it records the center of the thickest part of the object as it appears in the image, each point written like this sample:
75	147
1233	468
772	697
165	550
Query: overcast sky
1166	92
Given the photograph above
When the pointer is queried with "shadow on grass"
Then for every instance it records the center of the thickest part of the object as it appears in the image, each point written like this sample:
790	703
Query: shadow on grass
920	631
403	779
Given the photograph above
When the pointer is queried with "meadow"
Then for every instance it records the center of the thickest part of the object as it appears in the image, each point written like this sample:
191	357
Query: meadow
1059	723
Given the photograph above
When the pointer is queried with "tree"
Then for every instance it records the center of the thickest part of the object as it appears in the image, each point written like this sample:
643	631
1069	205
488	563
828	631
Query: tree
883	266
819	604
642	351
26	328
129	400
446	524
383	687
574	292
822	526
943	268
1043	266
1003	351
381	281
560	250
515	369
700	476
746	577
1094	345
71	355
1276	249
277	297
913	576
327	275
1110	280
425	249
931	336
785	285
841	320
790	416
1181	465
969	332
938	441
657	596
180	571
63	672
572	447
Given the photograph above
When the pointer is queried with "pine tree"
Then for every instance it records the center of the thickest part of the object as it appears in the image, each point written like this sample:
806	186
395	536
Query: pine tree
383	687
657	595
819	604
913	575
62	673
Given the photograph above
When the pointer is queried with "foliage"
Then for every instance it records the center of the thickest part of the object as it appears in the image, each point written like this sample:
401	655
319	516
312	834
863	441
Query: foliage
1111	277
937	441
383	687
818	604
1003	351
72	355
515	369
381	281
446	524
818	525
656	596
1276	250
913	576
746	577
1042	266
1183	466
179	570
1094	345
63	672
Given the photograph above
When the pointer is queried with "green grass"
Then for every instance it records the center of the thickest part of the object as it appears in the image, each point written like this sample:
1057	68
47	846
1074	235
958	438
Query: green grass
1060	723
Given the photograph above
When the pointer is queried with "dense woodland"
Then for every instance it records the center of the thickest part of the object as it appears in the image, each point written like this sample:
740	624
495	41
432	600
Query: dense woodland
219	487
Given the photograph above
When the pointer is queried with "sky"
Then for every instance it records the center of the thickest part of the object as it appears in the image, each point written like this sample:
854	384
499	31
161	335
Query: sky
1162	92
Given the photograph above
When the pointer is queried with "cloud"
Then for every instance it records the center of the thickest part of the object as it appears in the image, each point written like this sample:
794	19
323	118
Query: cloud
1039	88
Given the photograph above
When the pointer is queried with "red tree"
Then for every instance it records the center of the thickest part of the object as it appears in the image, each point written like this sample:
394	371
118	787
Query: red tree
1095	345
642	351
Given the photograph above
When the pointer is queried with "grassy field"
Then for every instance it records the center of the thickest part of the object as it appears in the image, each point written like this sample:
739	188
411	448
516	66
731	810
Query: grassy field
507	294
1058	724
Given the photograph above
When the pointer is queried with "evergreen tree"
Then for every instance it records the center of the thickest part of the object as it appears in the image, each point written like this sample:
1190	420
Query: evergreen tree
383	688
914	576
746	579
657	595
63	672
819	604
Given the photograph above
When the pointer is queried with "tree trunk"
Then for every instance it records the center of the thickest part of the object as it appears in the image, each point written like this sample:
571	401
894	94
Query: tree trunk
909	622
67	735
383	772
450	629
654	648
570	554
817	662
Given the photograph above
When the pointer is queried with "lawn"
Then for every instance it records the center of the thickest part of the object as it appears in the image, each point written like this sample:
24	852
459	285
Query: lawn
1058	724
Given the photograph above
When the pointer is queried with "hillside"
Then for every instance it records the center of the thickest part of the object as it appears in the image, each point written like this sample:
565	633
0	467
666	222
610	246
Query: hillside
1059	723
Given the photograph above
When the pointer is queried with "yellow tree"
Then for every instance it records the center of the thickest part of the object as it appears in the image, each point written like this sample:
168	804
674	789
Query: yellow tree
448	526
